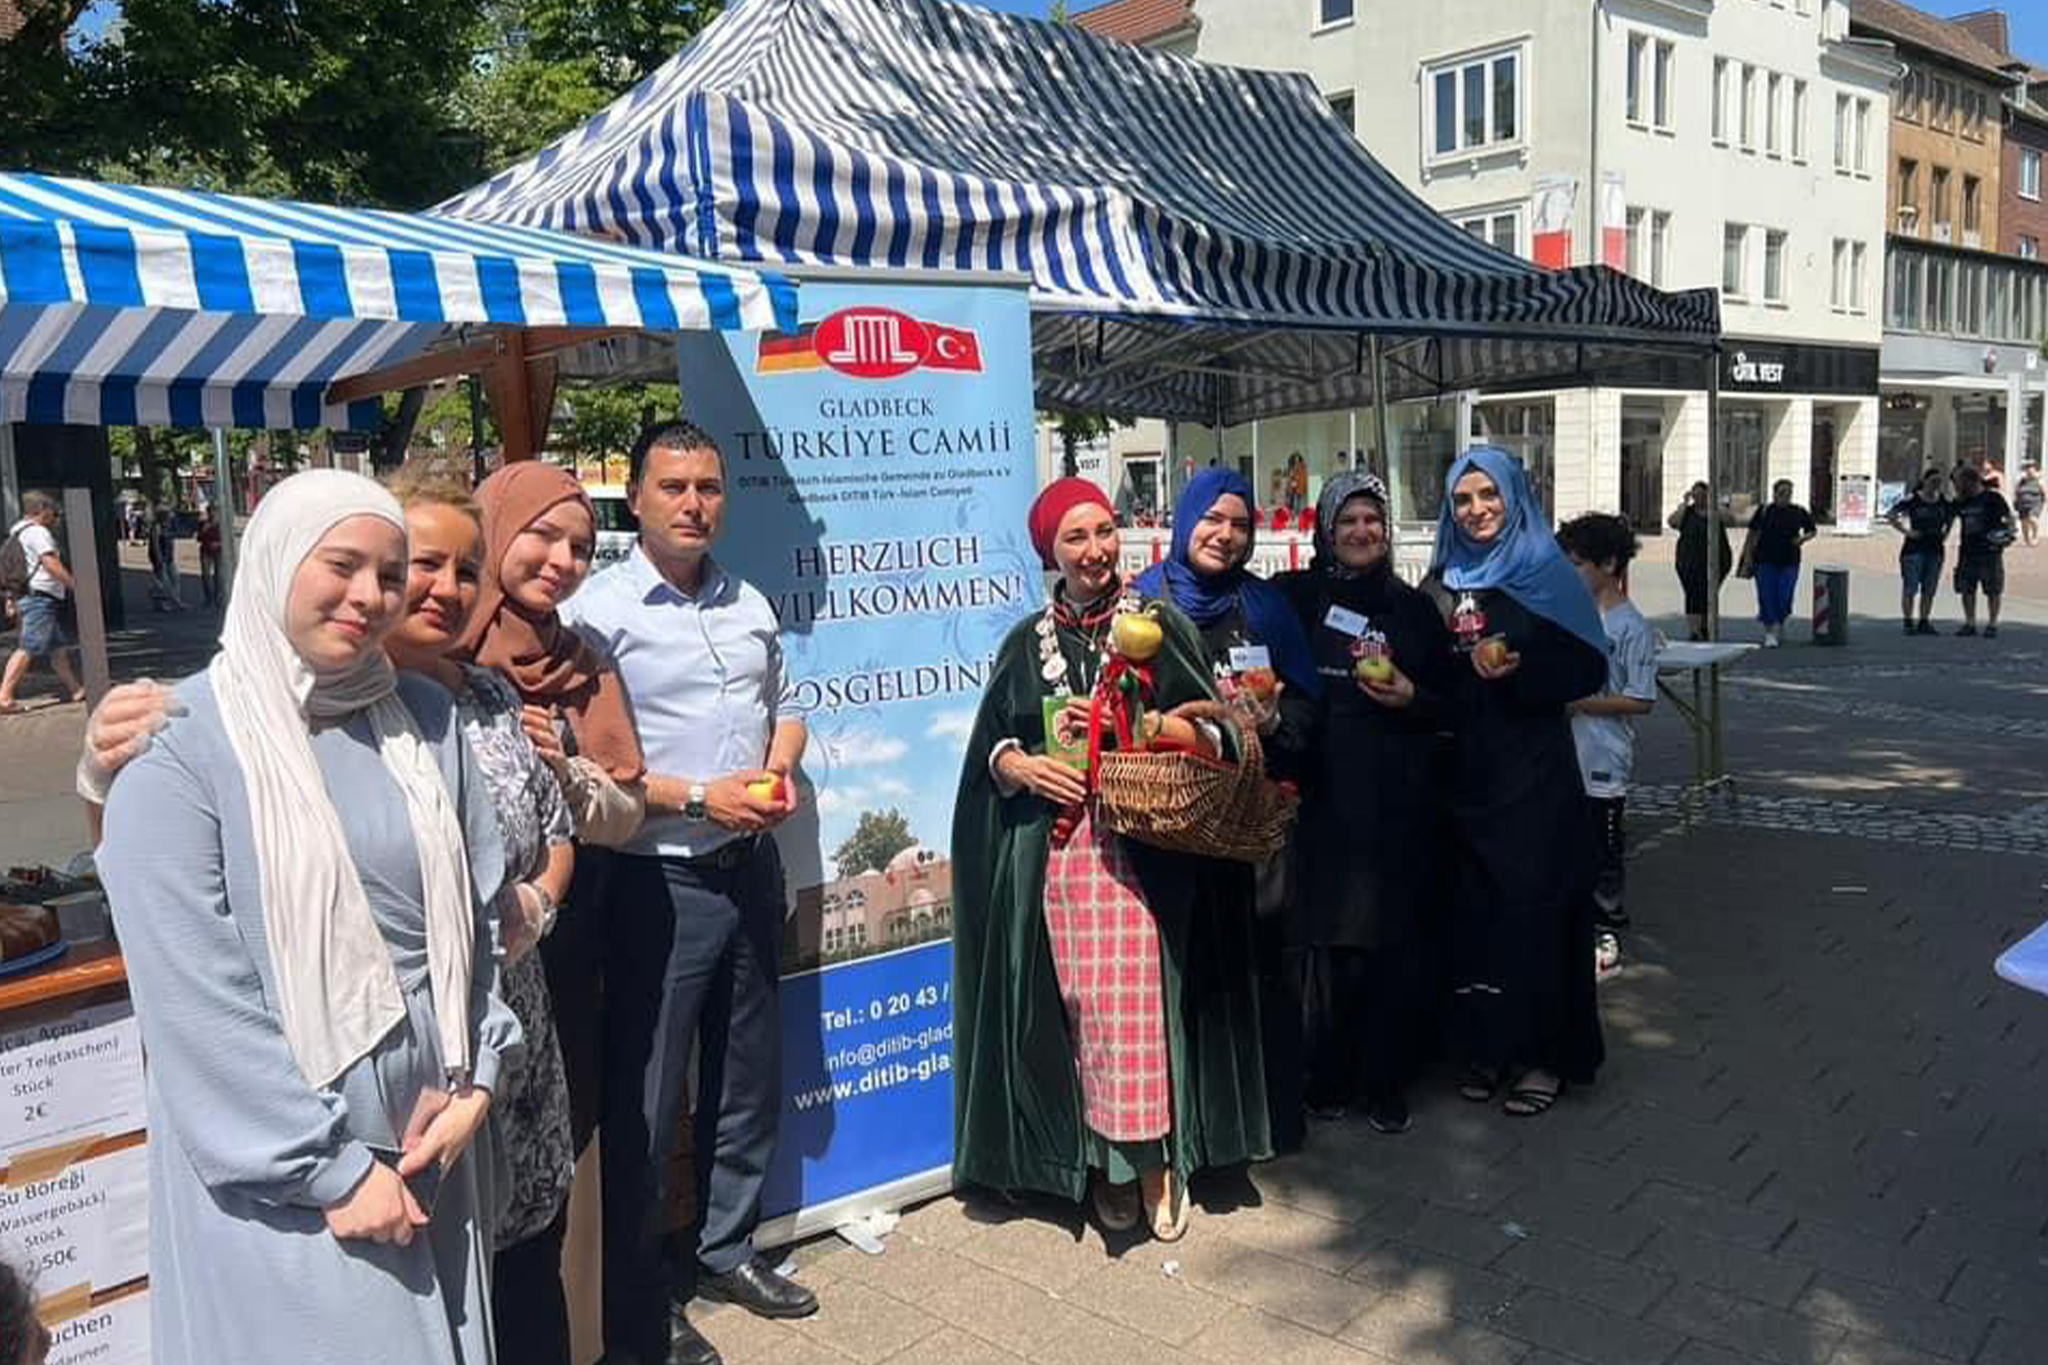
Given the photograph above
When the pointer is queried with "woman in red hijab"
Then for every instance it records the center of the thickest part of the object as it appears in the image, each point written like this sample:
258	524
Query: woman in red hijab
1105	1021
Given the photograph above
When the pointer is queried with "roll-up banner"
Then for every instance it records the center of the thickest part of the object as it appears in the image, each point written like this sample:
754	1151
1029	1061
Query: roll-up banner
879	467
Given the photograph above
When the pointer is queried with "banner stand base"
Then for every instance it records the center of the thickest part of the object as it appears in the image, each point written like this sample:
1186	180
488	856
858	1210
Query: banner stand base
866	1234
861	1212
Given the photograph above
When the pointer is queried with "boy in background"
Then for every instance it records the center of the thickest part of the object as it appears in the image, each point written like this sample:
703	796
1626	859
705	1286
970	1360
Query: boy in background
1600	546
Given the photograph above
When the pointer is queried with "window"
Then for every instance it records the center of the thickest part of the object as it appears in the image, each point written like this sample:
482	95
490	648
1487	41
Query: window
2030	248
1941	290
1838	276
1748	108
1863	137
1734	259
1345	107
1502	229
1909	197
1638	56
1856	260
1973	115
1774	114
1908	108
1841	132
2030	173
1942	105
1774	267
1937	204
1476	105
1799	120
1660	246
1638	262
1973	225
1970	300
1908	274
1332	12
1720	99
1660	85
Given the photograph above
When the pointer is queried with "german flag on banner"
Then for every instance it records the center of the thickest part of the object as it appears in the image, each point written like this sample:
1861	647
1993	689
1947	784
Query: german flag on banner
788	352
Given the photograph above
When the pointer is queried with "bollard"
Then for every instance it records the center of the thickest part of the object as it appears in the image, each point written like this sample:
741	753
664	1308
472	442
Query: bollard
1830	604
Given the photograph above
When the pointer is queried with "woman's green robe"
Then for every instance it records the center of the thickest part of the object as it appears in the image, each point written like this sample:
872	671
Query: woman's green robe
1017	1097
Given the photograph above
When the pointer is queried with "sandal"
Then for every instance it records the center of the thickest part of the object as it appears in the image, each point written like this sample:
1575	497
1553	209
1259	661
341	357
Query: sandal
1116	1206
1170	1216
1526	1101
1479	1084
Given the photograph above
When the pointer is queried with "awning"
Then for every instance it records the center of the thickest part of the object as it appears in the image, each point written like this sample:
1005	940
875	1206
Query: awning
1135	188
124	305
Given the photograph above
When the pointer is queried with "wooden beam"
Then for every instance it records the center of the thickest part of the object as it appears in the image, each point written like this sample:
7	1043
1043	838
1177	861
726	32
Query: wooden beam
547	340
511	398
411	374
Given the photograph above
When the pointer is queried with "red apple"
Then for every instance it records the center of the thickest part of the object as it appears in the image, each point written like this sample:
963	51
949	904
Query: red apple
767	789
1493	652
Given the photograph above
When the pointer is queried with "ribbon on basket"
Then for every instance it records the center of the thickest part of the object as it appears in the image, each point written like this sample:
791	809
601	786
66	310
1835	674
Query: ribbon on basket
1122	691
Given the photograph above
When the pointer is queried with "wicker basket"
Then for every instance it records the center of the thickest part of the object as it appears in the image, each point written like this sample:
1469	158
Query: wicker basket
1191	804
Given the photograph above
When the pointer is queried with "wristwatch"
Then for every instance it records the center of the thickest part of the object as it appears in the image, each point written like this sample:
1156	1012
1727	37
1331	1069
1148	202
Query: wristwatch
693	804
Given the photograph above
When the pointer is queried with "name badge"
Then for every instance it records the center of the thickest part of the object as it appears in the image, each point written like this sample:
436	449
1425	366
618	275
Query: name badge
1345	621
1244	658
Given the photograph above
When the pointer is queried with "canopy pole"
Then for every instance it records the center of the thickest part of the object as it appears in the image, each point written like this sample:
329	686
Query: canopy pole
83	541
224	508
1714	495
1379	407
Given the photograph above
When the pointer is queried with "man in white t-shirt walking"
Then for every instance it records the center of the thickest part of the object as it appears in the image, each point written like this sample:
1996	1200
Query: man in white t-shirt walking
1600	546
44	632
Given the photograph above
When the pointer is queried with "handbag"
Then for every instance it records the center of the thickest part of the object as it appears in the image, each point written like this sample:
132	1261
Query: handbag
1745	564
1190	803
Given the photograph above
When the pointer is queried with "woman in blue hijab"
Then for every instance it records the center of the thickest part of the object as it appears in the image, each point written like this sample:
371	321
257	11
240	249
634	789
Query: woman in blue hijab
1247	625
1528	643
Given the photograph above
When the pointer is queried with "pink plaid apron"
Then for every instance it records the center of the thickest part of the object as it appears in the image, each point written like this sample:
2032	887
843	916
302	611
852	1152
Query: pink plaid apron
1105	951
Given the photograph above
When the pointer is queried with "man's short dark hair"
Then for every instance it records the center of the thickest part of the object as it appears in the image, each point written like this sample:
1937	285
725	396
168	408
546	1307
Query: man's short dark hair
675	434
1600	538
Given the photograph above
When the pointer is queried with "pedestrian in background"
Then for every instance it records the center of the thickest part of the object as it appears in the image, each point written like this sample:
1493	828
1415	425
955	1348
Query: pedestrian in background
1601	547
1690	521
209	556
1776	533
2027	499
1985	522
1528	643
39	591
1923	518
164	593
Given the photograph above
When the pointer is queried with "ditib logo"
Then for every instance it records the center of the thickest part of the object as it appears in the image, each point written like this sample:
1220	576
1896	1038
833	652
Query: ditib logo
870	343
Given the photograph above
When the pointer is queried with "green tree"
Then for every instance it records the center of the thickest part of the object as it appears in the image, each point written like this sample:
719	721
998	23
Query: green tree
1077	429
606	419
879	836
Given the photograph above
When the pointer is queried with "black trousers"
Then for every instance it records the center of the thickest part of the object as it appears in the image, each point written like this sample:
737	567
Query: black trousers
1368	1018
529	1314
690	959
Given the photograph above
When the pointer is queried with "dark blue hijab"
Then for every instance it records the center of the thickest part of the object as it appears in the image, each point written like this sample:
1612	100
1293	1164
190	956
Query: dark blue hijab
1523	561
1208	598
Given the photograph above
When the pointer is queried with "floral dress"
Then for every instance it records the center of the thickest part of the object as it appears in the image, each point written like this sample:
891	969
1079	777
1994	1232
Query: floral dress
530	1113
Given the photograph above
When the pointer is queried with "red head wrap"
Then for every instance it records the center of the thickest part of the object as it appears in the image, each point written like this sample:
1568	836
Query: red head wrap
1059	498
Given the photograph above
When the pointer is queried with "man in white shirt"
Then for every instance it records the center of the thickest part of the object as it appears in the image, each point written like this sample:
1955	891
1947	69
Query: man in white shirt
693	912
44	633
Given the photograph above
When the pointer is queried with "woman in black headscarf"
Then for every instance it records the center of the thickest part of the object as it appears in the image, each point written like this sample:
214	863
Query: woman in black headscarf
1371	782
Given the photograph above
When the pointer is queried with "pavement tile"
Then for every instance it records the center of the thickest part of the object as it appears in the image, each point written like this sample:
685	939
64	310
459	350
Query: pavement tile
1414	1332
1768	1277
743	1339
950	1346
941	1222
1473	1239
1862	1350
1287	1289
1752	1329
1039	1253
1696	1211
1321	1184
1924	1269
2011	1343
1461	1290
1706	1353
1587	1331
906	1264
1244	1335
1894	1314
864	1324
1138	1293
1888	1219
1552	1216
1580	1274
1985	1288
1309	1238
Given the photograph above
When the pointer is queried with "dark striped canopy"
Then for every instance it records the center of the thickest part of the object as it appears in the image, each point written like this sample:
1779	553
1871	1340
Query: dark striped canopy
1133	187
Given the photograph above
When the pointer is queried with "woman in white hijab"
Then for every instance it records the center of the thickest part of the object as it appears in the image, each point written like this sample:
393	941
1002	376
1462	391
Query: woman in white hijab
299	871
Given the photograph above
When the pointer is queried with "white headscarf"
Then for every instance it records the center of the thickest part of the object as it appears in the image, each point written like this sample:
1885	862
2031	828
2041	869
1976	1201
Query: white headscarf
338	991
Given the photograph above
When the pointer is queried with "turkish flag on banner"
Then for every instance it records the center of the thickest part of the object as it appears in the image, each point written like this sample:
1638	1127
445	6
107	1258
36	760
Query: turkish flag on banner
951	348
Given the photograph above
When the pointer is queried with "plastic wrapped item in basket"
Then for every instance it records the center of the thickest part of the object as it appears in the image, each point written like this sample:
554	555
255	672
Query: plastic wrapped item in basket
1193	804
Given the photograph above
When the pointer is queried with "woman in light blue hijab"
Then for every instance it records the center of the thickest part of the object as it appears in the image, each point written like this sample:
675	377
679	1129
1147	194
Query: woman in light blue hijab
1528	643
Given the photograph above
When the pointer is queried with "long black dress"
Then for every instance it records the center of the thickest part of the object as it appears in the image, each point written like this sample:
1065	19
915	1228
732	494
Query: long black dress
1522	930
1370	839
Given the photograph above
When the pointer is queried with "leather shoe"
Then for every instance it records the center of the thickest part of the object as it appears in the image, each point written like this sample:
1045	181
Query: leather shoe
688	1346
756	1287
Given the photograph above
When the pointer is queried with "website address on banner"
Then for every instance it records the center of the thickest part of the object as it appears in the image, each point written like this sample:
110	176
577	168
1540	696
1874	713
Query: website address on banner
878	1072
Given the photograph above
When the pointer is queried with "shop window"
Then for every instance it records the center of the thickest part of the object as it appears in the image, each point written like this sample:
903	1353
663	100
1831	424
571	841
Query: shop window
1734	260
1424	437
1642	463
1902	453
1476	104
1799	120
1745	444
1774	267
1528	431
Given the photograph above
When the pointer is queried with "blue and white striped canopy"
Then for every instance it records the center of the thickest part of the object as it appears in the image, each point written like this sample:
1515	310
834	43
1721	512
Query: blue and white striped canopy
1127	183
122	305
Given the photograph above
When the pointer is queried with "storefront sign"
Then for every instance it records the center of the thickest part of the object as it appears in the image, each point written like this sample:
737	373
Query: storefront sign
880	463
69	1080
1746	372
